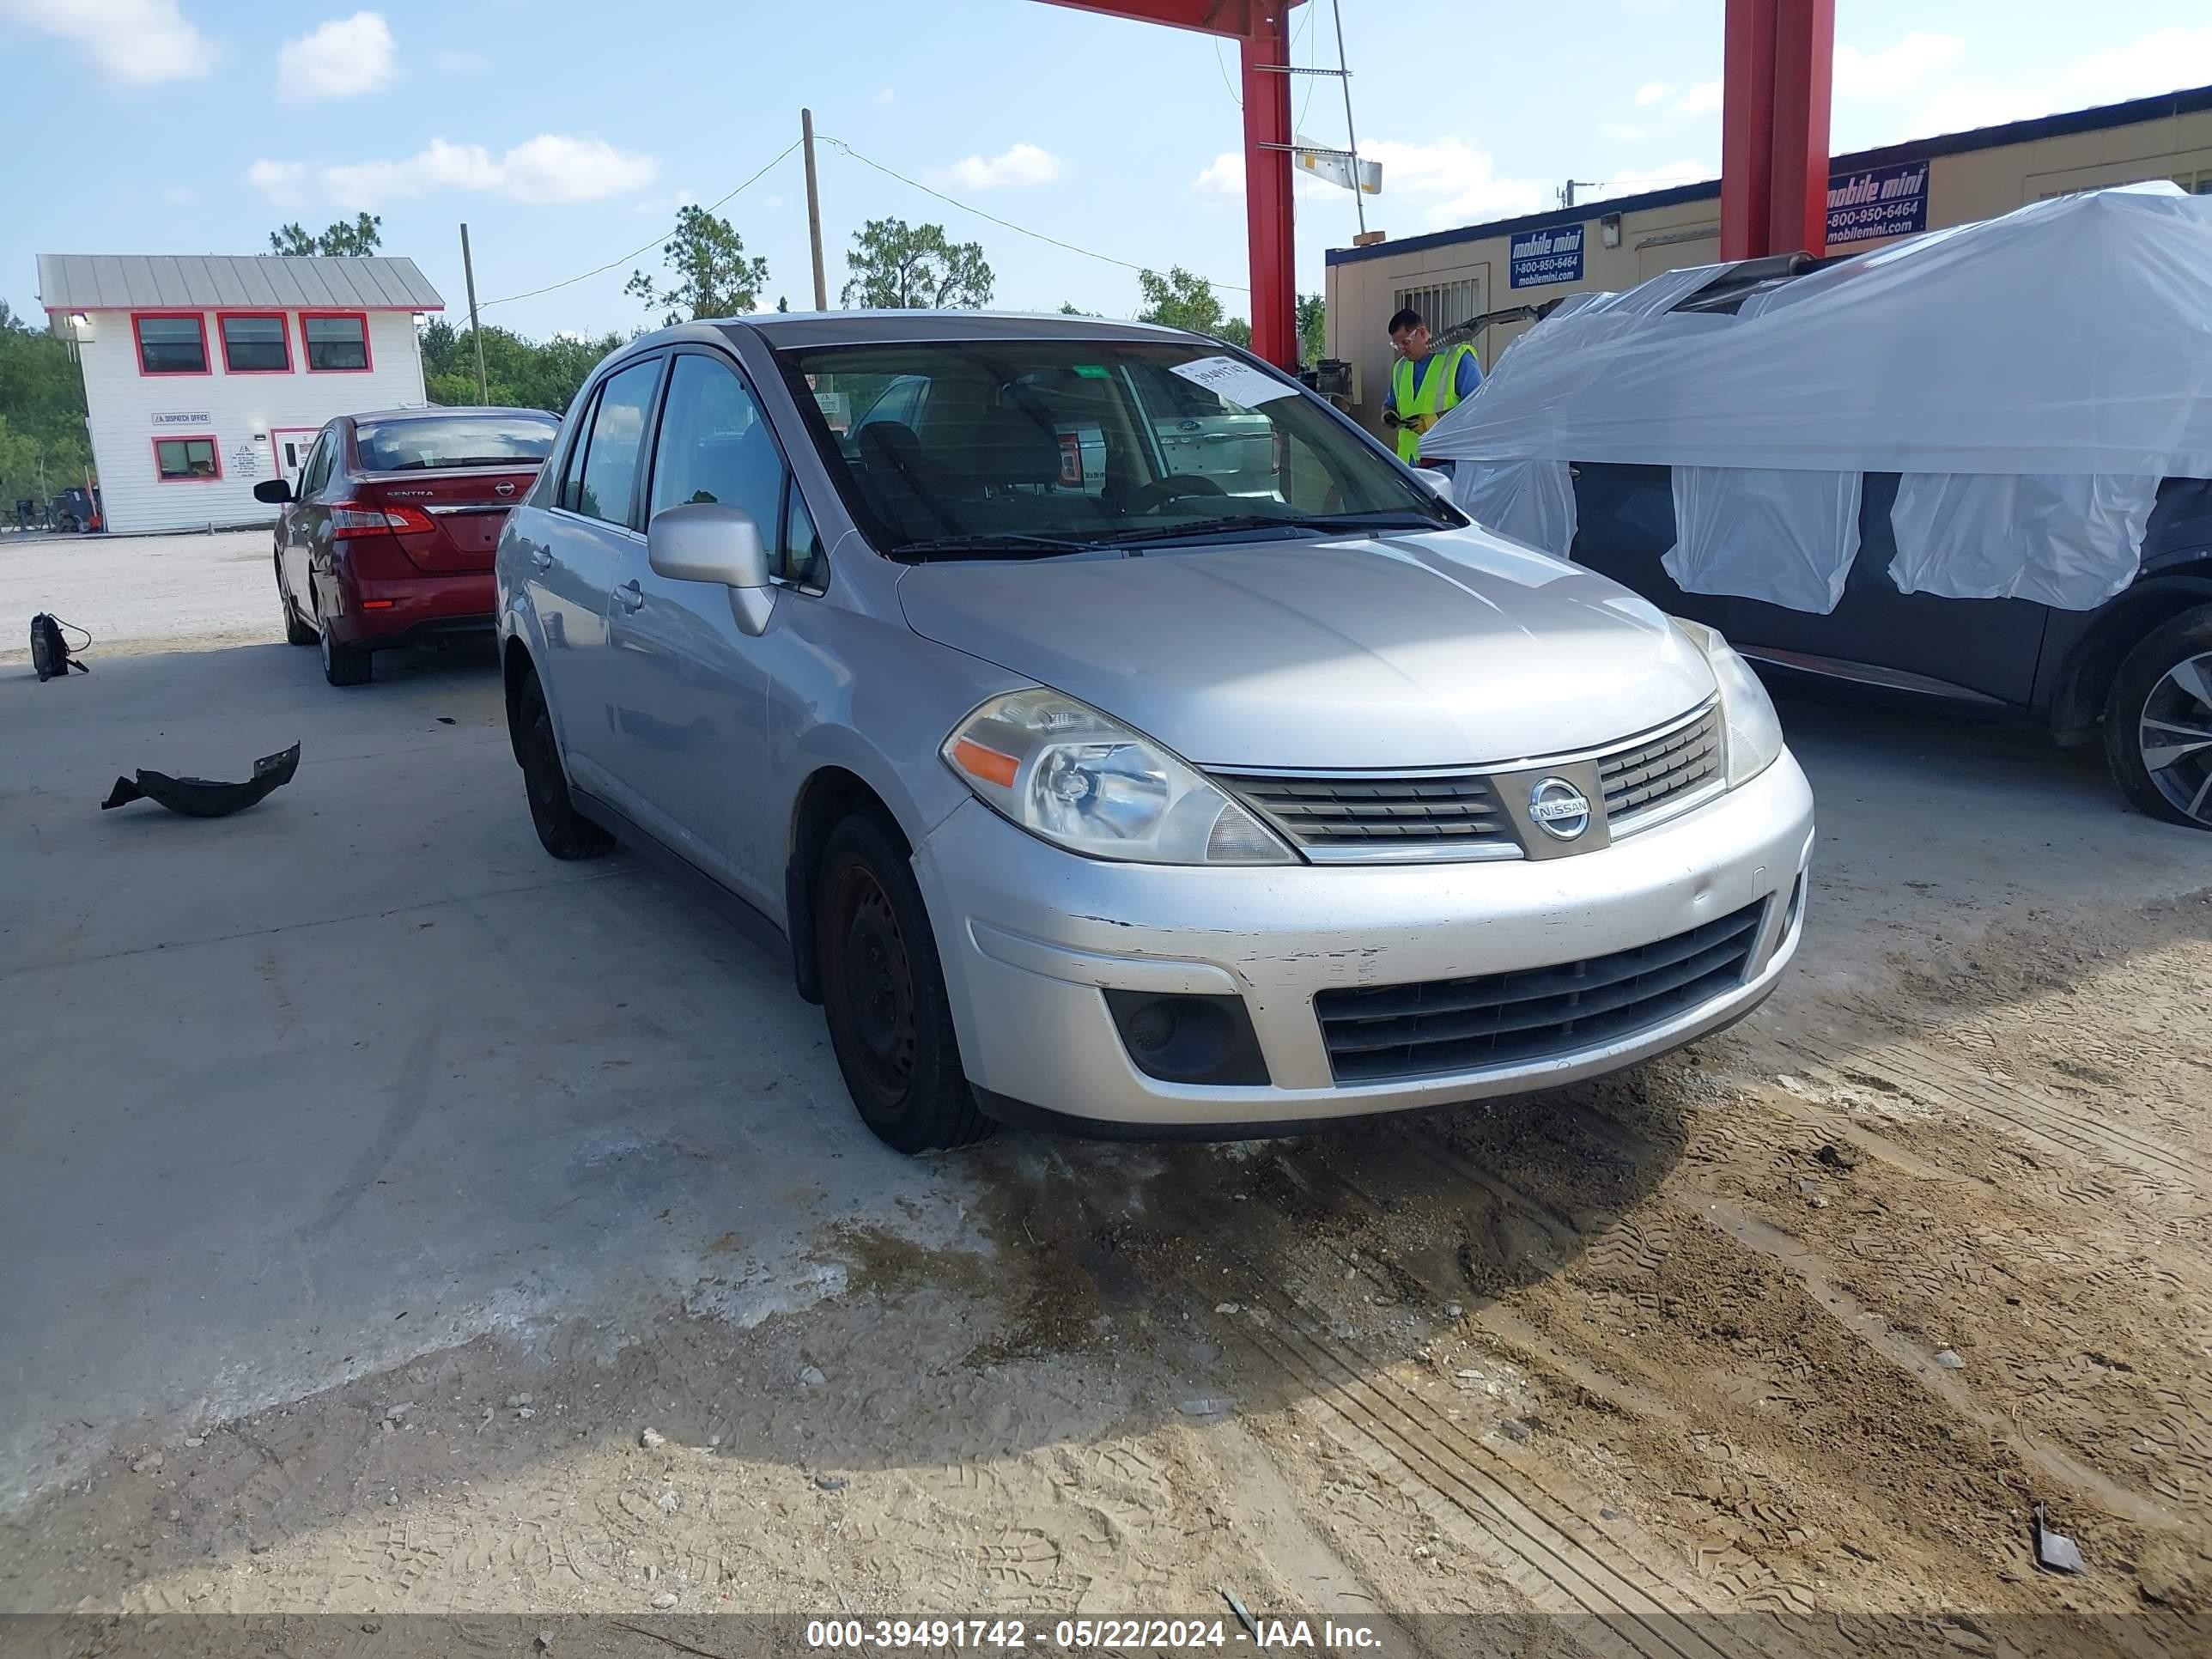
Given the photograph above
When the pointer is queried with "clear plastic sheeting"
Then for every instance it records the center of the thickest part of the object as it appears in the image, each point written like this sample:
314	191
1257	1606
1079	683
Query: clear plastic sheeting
1531	501
1764	533
2071	339
2070	540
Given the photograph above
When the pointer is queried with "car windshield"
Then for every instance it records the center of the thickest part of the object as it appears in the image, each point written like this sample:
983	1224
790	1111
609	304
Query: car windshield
1029	448
454	440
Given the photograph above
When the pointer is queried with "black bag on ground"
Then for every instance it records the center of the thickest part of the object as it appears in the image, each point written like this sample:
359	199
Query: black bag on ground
50	651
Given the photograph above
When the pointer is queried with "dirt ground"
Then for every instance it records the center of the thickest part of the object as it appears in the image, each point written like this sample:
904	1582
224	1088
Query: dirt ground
1802	1323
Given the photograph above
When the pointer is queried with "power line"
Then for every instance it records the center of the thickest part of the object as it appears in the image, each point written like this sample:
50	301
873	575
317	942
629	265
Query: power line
1023	230
610	265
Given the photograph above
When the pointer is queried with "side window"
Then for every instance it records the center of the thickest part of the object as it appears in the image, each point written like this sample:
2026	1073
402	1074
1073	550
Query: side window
715	446
797	556
605	489
572	476
317	472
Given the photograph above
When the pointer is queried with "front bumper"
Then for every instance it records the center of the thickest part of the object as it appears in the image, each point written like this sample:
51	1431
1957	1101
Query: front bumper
1031	937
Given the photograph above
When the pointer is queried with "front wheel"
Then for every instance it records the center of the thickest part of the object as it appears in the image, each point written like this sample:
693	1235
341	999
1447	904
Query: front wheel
883	993
561	830
2158	721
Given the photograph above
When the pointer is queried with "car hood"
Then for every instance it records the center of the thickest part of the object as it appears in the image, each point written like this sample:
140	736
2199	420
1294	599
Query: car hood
1448	649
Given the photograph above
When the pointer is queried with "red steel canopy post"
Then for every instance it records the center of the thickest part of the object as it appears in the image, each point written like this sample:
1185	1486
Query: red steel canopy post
1778	61
1261	29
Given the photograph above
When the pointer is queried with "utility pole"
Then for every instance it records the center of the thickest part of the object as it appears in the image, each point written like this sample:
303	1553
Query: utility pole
1566	195
476	334
813	209
1350	138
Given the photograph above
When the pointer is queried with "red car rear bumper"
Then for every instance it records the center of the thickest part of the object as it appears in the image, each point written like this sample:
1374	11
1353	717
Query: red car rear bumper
389	610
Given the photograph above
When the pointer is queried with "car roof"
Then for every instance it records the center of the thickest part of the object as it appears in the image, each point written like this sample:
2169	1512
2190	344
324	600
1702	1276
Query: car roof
787	329
445	411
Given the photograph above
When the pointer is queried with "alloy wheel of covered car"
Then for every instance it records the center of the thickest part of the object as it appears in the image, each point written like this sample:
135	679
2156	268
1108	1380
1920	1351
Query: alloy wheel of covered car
2175	736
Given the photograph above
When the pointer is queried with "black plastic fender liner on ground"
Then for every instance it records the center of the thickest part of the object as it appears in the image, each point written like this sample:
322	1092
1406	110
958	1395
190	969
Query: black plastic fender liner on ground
203	797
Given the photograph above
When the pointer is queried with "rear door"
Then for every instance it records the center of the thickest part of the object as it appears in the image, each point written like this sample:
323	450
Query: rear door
591	532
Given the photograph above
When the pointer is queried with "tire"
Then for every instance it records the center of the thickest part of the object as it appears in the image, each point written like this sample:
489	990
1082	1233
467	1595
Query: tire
2158	722
67	524
883	995
342	664
561	830
295	631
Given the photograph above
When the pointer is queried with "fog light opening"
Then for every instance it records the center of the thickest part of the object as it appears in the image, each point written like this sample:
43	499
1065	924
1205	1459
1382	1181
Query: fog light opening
1189	1039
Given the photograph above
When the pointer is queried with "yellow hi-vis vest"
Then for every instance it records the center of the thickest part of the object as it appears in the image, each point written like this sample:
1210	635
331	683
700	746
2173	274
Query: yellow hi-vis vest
1418	411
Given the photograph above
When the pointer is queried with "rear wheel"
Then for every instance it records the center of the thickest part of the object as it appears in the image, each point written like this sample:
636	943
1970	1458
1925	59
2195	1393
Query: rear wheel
883	993
561	830
2158	721
67	523
295	631
342	663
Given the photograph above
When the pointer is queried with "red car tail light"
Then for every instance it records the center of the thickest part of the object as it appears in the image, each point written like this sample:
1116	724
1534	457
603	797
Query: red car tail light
349	518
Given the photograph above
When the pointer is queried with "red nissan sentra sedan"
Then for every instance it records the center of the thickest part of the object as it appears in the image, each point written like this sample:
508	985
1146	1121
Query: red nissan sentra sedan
387	534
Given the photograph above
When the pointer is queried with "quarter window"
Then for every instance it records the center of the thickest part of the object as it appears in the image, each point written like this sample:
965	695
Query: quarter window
255	343
605	487
187	460
337	343
799	561
172	345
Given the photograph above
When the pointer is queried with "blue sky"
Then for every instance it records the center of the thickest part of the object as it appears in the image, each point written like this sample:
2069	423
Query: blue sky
567	135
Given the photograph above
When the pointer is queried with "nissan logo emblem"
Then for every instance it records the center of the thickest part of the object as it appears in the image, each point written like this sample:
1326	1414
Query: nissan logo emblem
1560	810
503	490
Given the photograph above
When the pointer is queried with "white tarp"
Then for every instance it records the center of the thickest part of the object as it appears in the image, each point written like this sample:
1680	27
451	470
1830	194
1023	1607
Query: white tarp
2071	339
1764	533
1531	501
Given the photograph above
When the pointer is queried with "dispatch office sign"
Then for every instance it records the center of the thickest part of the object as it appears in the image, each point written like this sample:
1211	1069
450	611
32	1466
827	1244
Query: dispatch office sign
1891	201
1537	257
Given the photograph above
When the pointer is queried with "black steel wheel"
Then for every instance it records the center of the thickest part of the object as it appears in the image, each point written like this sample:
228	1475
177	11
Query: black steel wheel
883	993
2158	721
342	663
561	830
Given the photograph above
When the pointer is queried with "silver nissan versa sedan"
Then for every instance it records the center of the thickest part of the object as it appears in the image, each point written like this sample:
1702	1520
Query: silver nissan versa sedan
1093	780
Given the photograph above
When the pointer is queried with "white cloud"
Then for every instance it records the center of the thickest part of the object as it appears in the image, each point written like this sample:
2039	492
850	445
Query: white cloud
1621	130
1895	69
344	58
281	182
1223	177
551	167
1703	99
1459	181
1021	164
180	194
771	203
1654	91
137	41
885	96
2160	61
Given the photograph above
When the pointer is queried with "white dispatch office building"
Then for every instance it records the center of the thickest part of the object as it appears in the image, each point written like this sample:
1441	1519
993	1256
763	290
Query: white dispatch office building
205	374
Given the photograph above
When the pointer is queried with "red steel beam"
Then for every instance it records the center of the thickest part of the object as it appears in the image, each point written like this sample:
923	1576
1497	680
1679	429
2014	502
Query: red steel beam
1261	29
1777	67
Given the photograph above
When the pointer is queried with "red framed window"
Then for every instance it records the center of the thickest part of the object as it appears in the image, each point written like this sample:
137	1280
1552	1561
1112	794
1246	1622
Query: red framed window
187	461
171	341
336	342
254	342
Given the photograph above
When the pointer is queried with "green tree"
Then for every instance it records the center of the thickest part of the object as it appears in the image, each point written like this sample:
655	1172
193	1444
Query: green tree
1069	308
42	436
520	372
1183	299
340	240
897	266
1313	327
714	278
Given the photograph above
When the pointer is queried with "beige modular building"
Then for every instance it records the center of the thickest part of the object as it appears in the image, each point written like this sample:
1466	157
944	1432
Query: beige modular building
1874	196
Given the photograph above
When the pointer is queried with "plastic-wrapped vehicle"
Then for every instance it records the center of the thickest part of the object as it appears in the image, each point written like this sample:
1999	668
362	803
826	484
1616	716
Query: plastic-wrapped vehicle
1976	465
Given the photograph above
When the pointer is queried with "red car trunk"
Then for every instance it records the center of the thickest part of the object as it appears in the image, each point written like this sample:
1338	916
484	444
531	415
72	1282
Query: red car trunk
450	519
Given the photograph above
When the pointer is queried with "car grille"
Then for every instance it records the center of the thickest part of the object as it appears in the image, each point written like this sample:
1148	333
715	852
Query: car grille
1652	774
1455	810
1504	1019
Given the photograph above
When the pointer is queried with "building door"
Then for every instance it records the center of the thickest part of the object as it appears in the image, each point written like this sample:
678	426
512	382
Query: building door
291	444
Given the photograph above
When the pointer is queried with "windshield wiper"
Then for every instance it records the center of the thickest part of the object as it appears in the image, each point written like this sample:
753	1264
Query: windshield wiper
1311	524
1003	541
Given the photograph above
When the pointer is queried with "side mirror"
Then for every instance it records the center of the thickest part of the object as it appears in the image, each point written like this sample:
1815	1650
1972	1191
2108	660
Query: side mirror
1440	484
275	492
708	542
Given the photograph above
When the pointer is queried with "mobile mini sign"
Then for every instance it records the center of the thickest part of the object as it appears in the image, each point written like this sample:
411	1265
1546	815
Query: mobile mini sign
1891	201
1538	256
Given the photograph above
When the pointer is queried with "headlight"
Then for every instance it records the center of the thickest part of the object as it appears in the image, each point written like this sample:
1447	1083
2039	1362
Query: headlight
1754	730
1065	772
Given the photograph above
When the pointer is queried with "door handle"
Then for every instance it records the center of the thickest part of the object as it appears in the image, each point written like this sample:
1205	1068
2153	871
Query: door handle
631	595
542	556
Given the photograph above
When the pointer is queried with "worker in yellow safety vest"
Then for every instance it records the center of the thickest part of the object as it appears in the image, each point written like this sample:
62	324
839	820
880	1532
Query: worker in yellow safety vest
1424	385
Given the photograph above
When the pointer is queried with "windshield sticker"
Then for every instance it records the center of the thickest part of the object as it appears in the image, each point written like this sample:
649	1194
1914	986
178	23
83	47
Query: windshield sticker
1239	383
1092	371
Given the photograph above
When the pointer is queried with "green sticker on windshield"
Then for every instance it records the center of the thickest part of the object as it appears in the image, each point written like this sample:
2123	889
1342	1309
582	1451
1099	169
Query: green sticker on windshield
1092	371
